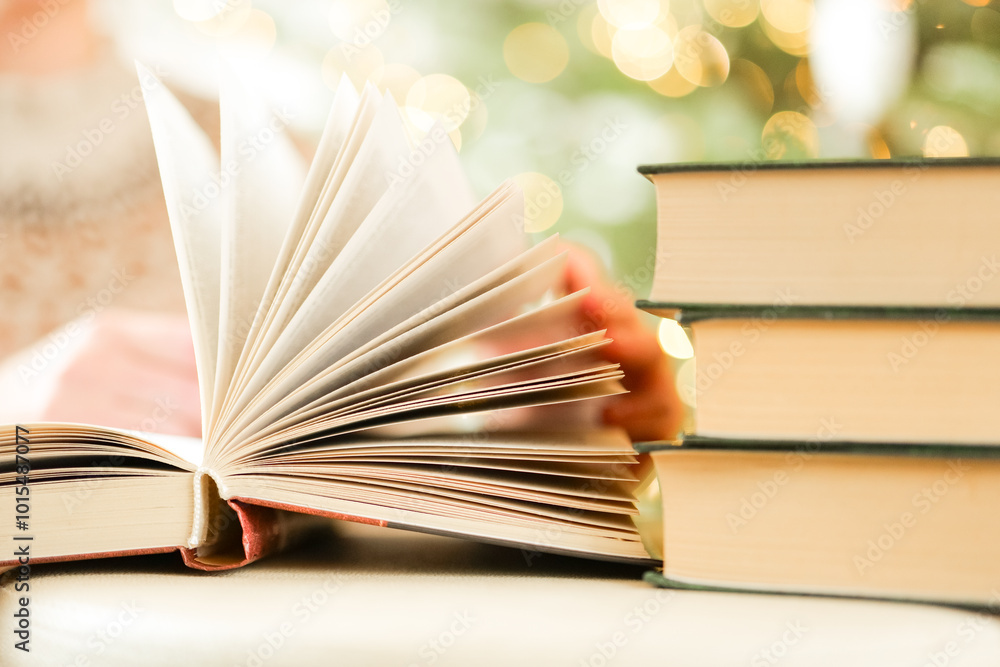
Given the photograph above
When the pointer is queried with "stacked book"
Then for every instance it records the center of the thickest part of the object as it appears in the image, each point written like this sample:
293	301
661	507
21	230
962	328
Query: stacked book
845	318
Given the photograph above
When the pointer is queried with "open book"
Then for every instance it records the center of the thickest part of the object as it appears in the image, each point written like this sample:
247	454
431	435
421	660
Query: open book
371	344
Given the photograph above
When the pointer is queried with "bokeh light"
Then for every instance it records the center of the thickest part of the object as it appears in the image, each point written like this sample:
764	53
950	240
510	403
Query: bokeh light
601	34
944	141
877	146
253	40
754	82
230	18
790	135
543	201
686	378
443	98
733	13
700	58
396	79
631	14
788	16
644	53
358	21
535	52
359	64
674	340
795	43
672	84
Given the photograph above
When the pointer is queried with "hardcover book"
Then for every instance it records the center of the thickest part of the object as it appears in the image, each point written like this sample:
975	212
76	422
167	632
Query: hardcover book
877	233
371	344
913	522
858	374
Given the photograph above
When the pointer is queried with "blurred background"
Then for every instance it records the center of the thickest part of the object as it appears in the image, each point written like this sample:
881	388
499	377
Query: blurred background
569	96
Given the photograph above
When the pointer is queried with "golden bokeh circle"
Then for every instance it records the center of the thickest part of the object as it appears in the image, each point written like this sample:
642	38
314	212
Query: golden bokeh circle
790	134
358	21
631	14
795	43
601	34
543	200
672	84
358	63
945	141
396	79
643	54
535	52
733	13
700	58
674	340
755	82
443	97
788	16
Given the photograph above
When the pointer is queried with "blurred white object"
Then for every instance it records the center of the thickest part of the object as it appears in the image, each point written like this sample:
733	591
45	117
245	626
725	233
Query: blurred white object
861	53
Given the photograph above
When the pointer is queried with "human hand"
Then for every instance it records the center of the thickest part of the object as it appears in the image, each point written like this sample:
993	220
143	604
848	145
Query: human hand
135	370
652	409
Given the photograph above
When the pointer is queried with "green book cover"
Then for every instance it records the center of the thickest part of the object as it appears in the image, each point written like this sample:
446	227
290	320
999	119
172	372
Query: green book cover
692	312
657	578
789	165
933	449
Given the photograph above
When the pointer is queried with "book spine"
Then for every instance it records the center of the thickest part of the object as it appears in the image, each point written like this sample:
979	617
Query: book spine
203	487
261	531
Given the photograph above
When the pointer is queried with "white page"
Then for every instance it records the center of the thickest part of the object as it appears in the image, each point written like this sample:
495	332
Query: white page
550	323
404	221
537	264
280	305
266	180
383	145
189	167
335	133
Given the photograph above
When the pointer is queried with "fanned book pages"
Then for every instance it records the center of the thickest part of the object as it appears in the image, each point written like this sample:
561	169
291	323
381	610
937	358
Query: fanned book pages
371	344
